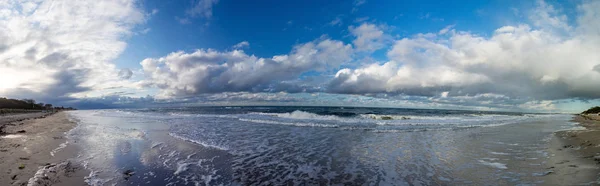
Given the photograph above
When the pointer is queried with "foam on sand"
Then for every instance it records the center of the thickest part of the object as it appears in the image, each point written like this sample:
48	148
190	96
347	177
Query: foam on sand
60	147
52	174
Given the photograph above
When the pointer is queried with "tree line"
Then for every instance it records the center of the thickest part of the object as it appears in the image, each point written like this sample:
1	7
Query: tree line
593	110
28	104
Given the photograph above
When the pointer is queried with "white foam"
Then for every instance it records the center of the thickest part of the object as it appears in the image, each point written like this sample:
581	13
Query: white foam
204	115
389	117
499	153
156	145
12	136
307	115
494	164
198	142
297	124
182	167
61	146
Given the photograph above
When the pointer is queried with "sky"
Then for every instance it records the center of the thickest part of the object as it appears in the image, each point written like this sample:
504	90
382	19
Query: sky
532	56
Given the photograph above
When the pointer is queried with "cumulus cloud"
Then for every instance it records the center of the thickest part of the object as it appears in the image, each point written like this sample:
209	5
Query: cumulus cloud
61	48
211	71
242	44
534	62
369	37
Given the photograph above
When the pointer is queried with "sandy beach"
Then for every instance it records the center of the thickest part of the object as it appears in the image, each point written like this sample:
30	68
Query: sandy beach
34	150
575	154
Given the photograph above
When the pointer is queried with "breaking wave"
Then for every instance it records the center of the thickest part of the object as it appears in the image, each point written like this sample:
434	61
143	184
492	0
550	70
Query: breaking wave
297	124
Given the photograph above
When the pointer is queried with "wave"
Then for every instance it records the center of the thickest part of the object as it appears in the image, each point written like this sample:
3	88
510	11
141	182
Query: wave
493	164
199	142
386	117
298	114
297	124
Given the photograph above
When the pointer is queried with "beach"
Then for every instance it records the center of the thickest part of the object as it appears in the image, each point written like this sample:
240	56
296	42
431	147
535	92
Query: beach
34	150
575	154
280	145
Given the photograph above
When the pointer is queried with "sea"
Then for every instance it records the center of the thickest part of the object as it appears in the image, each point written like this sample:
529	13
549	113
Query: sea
313	146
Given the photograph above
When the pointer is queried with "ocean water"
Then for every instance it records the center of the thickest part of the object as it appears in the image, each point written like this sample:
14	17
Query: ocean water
313	146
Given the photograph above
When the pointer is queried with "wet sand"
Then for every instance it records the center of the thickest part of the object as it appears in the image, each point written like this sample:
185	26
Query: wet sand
575	154
33	150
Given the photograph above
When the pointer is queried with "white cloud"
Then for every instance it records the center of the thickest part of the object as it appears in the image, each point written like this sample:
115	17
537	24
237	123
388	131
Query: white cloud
369	37
336	22
211	71
546	17
532	63
202	8
243	44
54	49
125	73
145	31
183	21
445	29
357	3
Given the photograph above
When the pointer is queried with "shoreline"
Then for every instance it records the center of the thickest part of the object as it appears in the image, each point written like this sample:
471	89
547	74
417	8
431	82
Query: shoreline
34	150
575	154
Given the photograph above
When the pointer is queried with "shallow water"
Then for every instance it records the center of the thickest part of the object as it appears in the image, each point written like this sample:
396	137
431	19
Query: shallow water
313	145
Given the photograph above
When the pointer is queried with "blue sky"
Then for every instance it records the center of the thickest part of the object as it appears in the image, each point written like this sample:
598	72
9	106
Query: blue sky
484	55
273	27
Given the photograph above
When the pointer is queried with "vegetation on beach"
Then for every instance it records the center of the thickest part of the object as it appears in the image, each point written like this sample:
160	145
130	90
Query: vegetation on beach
26	105
593	110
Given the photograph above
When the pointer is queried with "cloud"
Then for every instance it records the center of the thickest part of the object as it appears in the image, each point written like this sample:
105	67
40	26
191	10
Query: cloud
445	29
145	31
53	49
202	8
521	62
369	37
546	17
597	68
211	71
243	44
125	73
183	21
48	54
336	22
357	3
361	19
